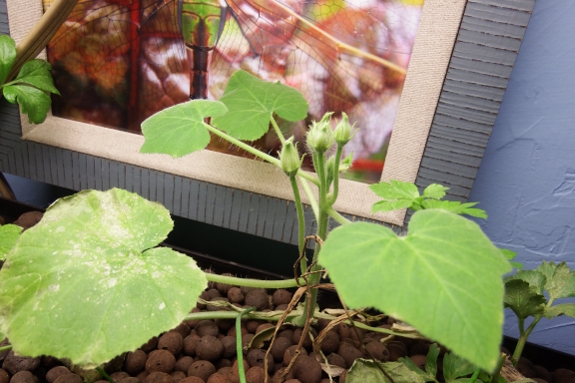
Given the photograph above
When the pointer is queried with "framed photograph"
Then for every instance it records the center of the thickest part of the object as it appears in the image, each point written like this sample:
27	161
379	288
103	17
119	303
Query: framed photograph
422	80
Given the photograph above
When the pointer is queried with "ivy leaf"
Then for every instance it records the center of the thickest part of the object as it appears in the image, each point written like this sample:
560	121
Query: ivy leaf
252	102
9	234
455	207
428	279
560	280
435	191
561	309
364	370
180	129
455	367
7	56
523	299
87	283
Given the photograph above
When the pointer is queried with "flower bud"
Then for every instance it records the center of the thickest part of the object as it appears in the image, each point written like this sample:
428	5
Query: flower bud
289	158
343	131
320	135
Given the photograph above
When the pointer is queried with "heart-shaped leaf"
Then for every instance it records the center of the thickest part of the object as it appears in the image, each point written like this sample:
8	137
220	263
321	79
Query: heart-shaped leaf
180	129
252	102
87	284
444	278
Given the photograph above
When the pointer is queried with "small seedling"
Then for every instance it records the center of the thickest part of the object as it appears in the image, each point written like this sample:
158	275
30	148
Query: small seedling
31	87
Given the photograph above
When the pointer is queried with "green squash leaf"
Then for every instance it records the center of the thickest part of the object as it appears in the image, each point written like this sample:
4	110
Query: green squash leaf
559	279
180	129
9	234
523	299
535	279
7	56
252	102
455	367
561	309
86	283
429	279
395	190
364	371
33	102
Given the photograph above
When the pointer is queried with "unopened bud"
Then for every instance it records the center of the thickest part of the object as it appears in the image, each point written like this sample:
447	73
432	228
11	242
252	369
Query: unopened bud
343	131
289	158
320	135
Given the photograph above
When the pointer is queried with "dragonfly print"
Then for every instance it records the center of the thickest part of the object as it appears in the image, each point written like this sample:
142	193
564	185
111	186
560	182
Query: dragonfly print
116	62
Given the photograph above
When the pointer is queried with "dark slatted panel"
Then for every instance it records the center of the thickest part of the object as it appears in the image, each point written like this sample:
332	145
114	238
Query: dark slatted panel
483	57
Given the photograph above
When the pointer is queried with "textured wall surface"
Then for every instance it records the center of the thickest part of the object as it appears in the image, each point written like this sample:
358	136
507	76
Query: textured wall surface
526	180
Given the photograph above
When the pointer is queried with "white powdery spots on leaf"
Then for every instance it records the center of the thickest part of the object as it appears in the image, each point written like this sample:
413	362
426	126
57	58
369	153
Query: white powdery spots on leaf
53	288
157	274
112	282
60	229
162	306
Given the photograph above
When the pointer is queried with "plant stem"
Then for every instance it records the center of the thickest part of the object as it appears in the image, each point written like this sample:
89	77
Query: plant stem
300	224
333	197
473	378
5	348
523	335
265	284
106	376
244	146
278	130
337	217
310	196
303	175
495	375
239	351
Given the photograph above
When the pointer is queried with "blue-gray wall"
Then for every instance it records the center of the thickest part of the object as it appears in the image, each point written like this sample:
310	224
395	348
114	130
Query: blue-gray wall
526	181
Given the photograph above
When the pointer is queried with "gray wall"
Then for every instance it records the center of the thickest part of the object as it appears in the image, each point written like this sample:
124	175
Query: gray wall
526	180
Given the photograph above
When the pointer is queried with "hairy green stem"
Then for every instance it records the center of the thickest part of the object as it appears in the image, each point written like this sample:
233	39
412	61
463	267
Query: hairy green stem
337	216
523	335
239	351
260	283
244	146
495	375
278	130
310	196
300	224
303	175
333	196
5	348
106	376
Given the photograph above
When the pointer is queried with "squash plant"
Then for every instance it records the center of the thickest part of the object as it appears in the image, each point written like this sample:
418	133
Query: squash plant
88	281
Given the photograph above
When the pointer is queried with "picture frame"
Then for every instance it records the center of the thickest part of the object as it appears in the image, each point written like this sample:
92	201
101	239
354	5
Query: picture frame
455	83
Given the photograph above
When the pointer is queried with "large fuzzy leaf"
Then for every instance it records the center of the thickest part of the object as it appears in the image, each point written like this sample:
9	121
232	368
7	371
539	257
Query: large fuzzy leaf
444	278
87	284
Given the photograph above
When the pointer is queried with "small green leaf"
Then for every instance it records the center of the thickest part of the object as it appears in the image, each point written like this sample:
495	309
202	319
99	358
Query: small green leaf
560	280
523	299
252	102
180	129
535	279
427	377
561	309
455	367
435	191
37	73
509	254
86	283
9	234
364	371
431	360
428	278
7	56
456	207
395	190
384	206
33	102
